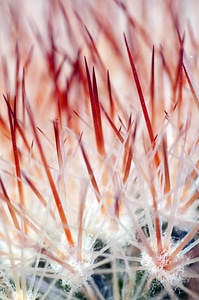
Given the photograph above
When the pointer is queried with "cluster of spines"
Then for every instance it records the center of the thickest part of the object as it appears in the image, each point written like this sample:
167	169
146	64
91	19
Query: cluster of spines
111	274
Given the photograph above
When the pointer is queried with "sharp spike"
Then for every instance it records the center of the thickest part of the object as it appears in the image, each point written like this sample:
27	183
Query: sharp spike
195	97
90	172
142	102
95	111
58	202
13	126
11	210
152	89
167	185
112	107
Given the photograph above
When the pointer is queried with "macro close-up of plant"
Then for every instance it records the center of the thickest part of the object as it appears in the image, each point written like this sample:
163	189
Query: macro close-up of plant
99	150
